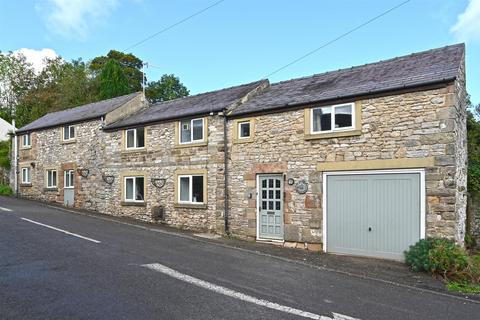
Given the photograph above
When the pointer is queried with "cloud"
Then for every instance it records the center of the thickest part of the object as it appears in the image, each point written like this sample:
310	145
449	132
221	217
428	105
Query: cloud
37	57
75	18
467	27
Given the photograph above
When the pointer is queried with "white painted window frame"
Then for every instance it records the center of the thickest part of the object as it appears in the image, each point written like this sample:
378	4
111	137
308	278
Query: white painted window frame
70	138
191	131
28	137
240	129
134	189
190	188
396	171
135	146
65	173
332	123
55	182
26	171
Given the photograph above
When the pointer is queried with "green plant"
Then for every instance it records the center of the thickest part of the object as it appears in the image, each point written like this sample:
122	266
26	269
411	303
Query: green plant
417	255
447	259
463	287
5	190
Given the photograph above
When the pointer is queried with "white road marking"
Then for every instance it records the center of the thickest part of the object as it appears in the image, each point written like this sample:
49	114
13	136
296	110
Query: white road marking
64	231
5	209
238	295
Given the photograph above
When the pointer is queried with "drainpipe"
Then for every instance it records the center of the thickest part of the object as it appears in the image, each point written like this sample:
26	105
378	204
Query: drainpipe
225	170
15	156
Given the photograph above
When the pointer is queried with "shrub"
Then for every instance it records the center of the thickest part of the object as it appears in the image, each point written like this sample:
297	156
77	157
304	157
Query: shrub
417	256
447	259
5	190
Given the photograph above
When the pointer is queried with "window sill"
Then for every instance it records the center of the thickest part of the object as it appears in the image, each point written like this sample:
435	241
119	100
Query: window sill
329	135
26	148
193	144
137	150
190	205
69	141
50	189
133	204
28	185
245	140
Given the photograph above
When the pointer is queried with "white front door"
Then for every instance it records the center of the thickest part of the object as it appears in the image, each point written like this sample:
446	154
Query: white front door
270	207
68	188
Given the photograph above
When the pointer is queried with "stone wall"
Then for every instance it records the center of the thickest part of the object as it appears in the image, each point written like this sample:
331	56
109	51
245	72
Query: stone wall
409	125
160	159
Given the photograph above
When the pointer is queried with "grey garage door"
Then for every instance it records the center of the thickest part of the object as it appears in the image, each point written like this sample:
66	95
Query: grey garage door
375	215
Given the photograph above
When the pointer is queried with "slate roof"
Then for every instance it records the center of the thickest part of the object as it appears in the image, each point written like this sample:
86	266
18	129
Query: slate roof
199	104
78	114
436	65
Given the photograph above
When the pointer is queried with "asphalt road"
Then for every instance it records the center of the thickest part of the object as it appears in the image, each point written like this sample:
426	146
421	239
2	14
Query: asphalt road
107	270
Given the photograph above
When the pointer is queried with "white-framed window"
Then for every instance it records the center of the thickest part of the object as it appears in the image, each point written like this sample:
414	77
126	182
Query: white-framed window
191	130
135	138
191	189
244	128
68	133
26	142
134	189
68	176
51	178
340	117
26	175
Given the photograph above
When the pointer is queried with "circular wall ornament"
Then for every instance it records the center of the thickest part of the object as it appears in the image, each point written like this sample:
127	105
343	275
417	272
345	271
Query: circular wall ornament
158	182
290	181
302	187
108	179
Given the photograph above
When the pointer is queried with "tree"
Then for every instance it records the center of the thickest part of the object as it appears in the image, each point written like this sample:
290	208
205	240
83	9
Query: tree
16	79
130	64
113	82
168	87
473	145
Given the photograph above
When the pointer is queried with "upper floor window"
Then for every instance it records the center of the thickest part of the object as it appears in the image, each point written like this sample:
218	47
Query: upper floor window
135	138
68	133
338	117
26	142
191	130
244	130
26	175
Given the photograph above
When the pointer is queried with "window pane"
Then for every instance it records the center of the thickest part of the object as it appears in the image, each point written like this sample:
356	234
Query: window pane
185	135
197	129
49	178
322	119
66	133
130	138
197	189
264	183
54	178
129	189
184	188
270	183
343	116
72	132
277	205
140	138
264	205
277	183
244	129
139	183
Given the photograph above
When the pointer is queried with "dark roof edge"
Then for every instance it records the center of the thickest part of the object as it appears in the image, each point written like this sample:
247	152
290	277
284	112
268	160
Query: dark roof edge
261	85
384	92
79	121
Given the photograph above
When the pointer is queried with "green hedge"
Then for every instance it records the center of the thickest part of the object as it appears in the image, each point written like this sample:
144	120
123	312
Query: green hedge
5	190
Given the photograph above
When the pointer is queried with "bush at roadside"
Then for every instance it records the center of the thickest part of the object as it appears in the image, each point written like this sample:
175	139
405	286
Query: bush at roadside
5	190
443	257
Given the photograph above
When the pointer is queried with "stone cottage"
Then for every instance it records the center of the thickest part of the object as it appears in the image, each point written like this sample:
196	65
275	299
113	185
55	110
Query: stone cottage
364	161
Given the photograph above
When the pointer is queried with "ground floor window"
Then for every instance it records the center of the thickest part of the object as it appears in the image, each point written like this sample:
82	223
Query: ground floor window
191	189
26	175
134	189
51	178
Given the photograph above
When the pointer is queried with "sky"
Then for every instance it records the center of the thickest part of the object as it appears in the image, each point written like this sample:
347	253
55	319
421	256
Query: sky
240	41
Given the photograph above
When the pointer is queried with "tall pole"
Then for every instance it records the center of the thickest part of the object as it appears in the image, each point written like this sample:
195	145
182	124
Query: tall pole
15	156
144	84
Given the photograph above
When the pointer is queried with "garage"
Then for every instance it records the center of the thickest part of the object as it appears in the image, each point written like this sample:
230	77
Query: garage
373	213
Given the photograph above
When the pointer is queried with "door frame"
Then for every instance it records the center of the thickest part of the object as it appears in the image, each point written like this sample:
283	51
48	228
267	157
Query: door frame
394	171
281	175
